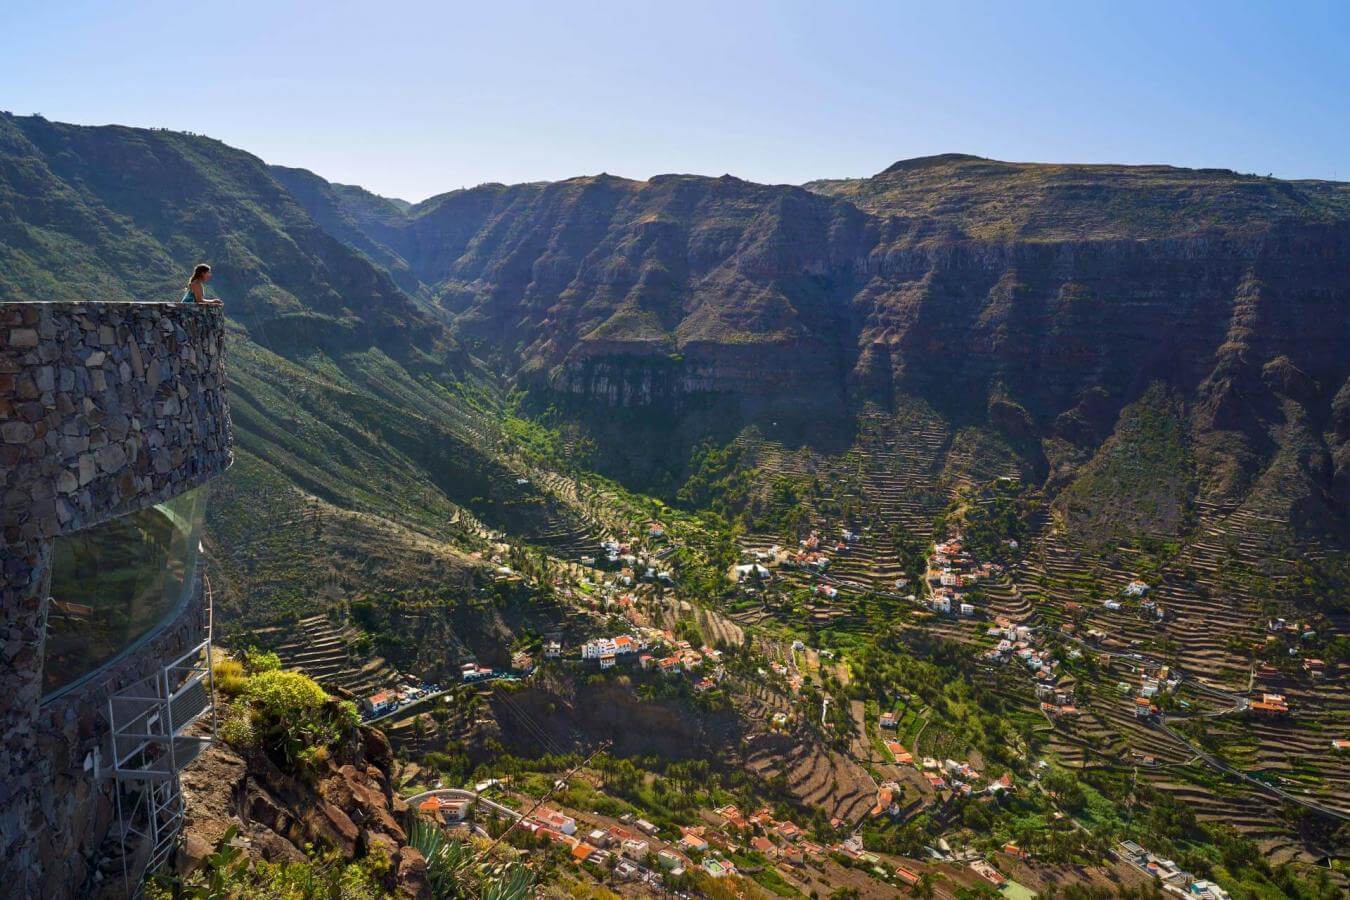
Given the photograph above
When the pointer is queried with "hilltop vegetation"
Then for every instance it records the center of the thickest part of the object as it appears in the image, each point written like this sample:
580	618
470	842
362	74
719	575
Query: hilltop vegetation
954	195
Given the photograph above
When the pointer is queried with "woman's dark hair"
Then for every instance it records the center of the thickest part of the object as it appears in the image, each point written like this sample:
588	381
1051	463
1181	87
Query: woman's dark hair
199	272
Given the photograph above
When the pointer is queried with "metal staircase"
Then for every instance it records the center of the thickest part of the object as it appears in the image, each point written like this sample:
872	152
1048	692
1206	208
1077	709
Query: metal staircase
153	739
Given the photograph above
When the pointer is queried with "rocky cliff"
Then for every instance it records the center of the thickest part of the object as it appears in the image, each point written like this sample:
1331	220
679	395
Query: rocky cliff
348	807
1035	301
1034	304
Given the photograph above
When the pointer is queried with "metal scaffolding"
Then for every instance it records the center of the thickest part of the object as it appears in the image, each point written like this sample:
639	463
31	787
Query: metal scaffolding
150	722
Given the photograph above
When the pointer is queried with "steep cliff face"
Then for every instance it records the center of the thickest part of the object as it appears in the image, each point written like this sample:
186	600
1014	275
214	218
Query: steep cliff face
349	807
1038	301
1033	302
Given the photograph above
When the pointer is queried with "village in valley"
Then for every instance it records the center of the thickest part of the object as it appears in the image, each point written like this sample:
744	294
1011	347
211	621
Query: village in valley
921	705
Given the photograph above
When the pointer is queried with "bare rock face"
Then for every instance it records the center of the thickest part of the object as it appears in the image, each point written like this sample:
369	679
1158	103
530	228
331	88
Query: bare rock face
412	875
1035	301
349	806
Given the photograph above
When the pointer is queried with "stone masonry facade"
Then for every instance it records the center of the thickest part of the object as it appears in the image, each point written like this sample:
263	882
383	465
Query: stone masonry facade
105	409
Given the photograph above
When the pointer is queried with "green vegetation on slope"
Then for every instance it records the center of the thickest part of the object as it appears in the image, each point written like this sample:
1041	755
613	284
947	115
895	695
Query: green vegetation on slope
1141	482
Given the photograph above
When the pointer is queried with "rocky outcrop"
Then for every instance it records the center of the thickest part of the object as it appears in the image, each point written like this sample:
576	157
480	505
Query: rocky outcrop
348	806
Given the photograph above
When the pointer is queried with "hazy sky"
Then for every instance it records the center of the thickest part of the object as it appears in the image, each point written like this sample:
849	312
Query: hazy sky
411	99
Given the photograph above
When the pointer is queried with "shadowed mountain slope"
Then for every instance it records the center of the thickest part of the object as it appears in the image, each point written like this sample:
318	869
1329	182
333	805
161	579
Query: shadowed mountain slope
349	398
1053	316
1034	301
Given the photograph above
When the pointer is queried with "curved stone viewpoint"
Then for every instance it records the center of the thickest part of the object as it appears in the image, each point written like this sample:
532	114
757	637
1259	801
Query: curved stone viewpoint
105	409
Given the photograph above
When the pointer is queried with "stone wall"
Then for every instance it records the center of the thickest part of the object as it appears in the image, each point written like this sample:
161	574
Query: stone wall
105	408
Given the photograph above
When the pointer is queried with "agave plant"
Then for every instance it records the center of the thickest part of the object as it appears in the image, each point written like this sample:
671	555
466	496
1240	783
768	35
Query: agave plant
452	874
514	883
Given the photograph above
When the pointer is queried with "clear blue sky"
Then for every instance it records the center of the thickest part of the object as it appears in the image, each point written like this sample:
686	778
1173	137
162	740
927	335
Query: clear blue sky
414	98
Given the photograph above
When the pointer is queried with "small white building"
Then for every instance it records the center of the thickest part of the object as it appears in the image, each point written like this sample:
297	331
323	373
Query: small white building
556	820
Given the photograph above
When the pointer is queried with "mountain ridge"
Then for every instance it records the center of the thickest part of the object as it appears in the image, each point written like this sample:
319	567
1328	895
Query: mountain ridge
833	296
663	313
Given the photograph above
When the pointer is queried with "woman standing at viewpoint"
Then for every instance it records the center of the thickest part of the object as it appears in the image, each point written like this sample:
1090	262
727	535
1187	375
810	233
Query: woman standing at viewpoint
194	292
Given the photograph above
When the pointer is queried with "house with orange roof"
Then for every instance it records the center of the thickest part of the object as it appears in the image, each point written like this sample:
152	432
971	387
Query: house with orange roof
765	846
693	839
379	702
899	753
551	818
885	800
905	875
762	816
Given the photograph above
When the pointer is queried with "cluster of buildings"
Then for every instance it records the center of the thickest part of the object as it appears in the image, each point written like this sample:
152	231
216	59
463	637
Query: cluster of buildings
608	650
681	657
948	774
811	555
1153	682
631	849
1136	590
951	571
1175	880
1019	642
389	699
633	566
794	678
962	778
386	700
1297	637
775	839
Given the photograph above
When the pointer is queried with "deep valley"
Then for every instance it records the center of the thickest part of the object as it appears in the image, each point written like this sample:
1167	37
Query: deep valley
972	528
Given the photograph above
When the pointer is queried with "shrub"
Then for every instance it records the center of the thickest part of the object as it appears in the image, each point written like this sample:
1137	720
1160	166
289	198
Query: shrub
229	677
237	729
227	873
294	714
256	661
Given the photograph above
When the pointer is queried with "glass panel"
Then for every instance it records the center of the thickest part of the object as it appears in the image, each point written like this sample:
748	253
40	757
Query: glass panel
114	583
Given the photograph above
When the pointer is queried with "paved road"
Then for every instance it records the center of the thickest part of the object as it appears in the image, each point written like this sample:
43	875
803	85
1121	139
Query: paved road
465	794
1222	766
406	706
